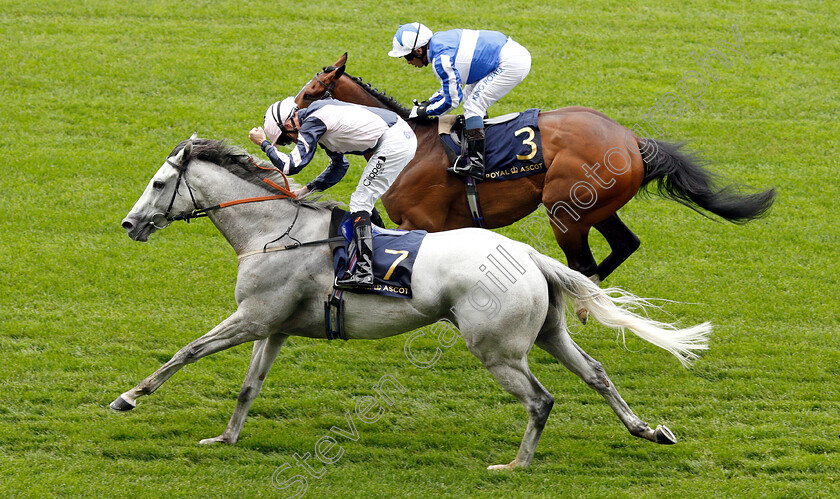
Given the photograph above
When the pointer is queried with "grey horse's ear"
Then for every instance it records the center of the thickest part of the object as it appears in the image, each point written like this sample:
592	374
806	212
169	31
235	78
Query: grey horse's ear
194	136
184	153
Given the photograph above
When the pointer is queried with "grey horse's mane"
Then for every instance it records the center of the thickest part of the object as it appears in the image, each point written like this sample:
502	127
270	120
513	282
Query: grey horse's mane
245	166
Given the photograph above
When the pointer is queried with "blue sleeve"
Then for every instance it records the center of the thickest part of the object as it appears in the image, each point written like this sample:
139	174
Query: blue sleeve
278	159
450	94
334	172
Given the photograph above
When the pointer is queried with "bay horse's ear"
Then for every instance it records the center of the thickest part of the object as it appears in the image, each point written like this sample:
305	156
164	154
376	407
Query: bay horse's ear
341	61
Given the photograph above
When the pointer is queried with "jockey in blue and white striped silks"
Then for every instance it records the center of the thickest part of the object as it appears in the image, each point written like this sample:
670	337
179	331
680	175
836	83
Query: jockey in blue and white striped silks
476	67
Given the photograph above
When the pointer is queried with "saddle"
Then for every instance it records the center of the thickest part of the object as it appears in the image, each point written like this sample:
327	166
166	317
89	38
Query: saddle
393	255
513	145
454	126
394	252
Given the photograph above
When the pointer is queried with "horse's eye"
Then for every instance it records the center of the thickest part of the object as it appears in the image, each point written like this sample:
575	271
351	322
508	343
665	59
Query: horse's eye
158	184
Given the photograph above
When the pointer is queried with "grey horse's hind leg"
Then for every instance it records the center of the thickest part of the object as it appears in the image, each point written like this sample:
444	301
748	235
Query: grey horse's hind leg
516	378
265	351
558	343
230	332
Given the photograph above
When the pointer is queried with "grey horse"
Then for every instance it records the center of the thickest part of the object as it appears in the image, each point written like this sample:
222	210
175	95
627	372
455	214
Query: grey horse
281	290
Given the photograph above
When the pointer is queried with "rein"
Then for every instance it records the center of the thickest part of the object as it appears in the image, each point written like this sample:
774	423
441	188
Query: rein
203	212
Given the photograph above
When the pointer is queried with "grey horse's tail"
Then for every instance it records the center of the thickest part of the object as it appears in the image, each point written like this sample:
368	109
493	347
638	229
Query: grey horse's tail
612	307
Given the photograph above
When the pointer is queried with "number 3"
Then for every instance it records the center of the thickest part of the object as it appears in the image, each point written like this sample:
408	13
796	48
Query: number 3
529	141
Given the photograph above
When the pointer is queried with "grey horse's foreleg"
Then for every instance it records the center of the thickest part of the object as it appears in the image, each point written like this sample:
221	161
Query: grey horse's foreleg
516	378
559	344
265	351
232	331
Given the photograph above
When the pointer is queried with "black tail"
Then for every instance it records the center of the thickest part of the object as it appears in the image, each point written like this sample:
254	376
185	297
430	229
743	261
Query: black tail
681	176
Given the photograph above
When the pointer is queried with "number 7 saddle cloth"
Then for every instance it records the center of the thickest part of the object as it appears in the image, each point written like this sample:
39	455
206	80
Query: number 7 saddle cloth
513	148
394	252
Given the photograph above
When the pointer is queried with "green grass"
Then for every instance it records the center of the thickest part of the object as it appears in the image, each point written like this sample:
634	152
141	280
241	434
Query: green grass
96	94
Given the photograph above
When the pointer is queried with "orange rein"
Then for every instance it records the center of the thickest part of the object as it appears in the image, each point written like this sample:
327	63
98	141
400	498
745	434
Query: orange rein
285	193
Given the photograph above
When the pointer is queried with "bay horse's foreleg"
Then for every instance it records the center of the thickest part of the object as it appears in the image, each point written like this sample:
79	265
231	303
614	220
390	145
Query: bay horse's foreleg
265	351
516	378
232	331
559	344
623	243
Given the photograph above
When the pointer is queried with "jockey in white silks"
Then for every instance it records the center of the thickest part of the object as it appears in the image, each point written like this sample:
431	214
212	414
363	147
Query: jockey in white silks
476	67
342	128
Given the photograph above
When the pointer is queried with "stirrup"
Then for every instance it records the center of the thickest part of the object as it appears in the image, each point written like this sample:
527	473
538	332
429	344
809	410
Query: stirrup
352	283
457	169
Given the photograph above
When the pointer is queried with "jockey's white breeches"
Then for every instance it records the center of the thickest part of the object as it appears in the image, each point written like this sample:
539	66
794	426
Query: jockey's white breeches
395	149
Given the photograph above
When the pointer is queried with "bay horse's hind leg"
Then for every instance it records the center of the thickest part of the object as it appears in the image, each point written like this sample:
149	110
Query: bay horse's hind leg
574	241
559	344
622	243
263	356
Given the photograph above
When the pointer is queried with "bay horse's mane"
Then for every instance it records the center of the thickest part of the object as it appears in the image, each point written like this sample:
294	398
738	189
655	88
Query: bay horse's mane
382	97
242	164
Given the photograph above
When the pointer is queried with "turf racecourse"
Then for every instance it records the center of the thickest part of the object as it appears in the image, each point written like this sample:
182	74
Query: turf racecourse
96	94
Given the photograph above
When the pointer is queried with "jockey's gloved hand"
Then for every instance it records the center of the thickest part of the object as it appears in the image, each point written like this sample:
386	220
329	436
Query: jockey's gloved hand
418	112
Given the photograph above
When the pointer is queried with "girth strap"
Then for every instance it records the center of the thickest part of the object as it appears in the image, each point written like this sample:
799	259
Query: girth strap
334	315
472	201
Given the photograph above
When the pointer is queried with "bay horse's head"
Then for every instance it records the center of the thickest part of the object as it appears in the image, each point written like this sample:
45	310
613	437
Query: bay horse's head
322	84
334	82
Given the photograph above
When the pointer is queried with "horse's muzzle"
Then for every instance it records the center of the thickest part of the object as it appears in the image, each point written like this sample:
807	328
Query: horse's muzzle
137	231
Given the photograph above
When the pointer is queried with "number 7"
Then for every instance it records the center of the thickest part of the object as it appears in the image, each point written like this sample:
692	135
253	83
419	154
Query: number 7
403	255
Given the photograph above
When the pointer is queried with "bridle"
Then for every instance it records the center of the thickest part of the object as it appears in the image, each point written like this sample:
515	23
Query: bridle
197	212
329	88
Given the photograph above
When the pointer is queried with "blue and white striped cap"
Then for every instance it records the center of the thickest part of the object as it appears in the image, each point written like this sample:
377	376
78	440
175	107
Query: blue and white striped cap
409	37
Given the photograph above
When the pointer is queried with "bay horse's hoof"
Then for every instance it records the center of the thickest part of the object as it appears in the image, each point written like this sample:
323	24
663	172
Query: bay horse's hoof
121	405
664	436
582	315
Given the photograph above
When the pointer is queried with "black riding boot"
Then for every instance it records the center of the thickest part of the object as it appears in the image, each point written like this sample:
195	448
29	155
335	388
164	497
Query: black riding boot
362	276
475	152
473	163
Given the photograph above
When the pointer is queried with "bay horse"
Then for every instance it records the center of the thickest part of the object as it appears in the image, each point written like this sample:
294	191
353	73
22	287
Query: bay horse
594	167
280	292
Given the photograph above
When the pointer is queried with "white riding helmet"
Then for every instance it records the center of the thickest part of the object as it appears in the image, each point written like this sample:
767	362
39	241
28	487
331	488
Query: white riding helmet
276	115
409	37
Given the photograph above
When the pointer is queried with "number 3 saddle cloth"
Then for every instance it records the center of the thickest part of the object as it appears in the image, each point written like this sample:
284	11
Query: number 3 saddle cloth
513	147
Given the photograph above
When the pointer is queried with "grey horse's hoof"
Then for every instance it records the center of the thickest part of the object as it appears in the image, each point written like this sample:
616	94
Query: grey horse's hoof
121	405
664	436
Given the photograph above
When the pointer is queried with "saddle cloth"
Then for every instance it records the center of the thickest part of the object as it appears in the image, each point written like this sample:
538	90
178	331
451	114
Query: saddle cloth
394	252
513	147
